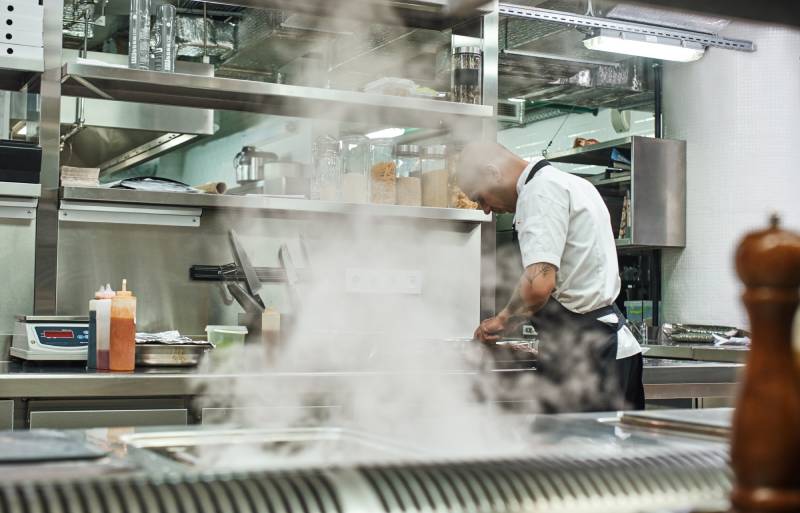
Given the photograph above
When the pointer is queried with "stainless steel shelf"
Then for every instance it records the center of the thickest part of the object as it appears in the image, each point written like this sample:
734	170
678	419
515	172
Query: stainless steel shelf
429	14
20	190
595	155
611	181
275	204
184	90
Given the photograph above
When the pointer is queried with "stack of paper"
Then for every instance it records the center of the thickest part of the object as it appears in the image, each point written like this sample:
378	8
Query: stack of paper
79	176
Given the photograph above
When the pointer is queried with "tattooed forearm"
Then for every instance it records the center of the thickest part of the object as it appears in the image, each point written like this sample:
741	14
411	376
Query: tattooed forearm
517	306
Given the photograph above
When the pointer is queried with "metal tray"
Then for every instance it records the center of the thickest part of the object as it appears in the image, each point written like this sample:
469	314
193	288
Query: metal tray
170	355
323	443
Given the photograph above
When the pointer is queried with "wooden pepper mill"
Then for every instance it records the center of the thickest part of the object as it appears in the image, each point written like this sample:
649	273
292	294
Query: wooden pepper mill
765	450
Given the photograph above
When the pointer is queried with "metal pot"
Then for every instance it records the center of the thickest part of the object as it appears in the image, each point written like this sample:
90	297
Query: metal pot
249	164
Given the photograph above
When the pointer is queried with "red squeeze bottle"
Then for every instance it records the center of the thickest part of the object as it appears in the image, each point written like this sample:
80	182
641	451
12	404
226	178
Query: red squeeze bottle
122	350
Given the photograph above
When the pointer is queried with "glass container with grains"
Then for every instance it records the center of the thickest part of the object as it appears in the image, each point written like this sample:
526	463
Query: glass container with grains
435	175
382	172
409	181
354	151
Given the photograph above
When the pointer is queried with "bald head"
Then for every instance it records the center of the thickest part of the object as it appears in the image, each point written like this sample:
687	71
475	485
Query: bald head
488	173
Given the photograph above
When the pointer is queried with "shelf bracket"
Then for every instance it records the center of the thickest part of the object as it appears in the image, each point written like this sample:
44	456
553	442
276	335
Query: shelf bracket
90	86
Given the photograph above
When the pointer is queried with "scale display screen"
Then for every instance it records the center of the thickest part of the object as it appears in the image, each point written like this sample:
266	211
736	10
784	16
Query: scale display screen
62	337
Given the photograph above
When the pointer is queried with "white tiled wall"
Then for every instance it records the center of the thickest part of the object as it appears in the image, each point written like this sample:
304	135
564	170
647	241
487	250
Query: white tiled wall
739	114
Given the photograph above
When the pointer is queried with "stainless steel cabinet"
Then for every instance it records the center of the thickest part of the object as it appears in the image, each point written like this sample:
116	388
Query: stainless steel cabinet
107	418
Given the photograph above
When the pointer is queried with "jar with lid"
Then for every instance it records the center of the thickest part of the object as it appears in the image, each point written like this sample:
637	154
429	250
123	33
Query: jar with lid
435	176
382	172
409	181
466	86
326	183
354	151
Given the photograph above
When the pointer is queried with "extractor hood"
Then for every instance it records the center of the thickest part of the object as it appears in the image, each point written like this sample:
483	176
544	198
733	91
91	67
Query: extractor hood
117	135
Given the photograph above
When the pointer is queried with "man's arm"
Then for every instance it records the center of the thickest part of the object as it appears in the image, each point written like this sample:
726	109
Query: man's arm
531	294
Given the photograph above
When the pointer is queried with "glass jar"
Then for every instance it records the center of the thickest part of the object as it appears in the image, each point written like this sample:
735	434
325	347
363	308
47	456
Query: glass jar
435	176
409	181
326	182
382	172
354	151
466	86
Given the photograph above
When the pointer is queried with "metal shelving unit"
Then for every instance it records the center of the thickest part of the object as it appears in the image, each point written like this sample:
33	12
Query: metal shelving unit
121	84
176	89
656	184
296	206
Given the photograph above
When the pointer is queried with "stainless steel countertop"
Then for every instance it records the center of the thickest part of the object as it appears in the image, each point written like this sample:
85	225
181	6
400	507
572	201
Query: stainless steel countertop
18	379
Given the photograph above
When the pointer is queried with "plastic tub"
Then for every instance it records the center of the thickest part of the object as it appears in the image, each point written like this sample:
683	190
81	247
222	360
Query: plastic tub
226	336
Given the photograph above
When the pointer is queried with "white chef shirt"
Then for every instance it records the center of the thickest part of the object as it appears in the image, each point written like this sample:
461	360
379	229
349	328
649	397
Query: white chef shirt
561	219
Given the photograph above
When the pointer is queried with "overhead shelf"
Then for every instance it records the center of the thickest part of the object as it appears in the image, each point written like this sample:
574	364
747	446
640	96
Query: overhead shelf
428	14
177	89
593	155
257	202
15	79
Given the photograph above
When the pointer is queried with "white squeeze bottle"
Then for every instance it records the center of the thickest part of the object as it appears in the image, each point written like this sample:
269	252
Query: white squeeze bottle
100	326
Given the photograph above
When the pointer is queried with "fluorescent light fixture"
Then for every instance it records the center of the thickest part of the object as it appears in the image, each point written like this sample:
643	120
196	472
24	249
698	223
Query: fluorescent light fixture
517	100
386	133
655	47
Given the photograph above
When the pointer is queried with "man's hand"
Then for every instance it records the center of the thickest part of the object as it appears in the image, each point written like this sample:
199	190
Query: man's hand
492	329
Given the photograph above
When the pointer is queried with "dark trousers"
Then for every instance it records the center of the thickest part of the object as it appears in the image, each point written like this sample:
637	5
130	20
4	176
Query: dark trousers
578	354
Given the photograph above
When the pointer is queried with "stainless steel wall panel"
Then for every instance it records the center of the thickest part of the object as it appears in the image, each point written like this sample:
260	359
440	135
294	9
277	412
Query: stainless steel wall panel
156	262
659	192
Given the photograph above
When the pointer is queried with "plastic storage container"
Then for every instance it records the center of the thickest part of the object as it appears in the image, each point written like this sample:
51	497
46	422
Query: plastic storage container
409	181
139	35
382	172
466	86
326	181
99	329
435	176
226	336
122	340
164	39
355	168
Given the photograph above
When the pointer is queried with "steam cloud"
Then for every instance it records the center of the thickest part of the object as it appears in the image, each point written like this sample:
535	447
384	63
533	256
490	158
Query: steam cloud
379	363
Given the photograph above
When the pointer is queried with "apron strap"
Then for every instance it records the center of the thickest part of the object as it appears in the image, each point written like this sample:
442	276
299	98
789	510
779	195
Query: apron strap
535	169
608	310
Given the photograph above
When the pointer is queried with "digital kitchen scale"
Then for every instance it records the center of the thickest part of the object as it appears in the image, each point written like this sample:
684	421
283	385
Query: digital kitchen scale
50	338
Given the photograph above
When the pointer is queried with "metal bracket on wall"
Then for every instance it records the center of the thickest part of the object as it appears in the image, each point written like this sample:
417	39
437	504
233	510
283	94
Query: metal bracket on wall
536	13
96	212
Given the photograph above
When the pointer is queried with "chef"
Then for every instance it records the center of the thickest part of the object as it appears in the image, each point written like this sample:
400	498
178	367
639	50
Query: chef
570	282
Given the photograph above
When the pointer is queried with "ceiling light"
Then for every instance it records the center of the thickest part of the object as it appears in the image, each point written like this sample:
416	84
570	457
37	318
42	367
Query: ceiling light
517	100
386	133
655	47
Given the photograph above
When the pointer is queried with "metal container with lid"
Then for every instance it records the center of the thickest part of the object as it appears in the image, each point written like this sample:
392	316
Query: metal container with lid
467	83
249	164
435	176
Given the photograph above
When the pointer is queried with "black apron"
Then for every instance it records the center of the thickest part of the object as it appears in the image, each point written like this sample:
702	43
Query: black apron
578	353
